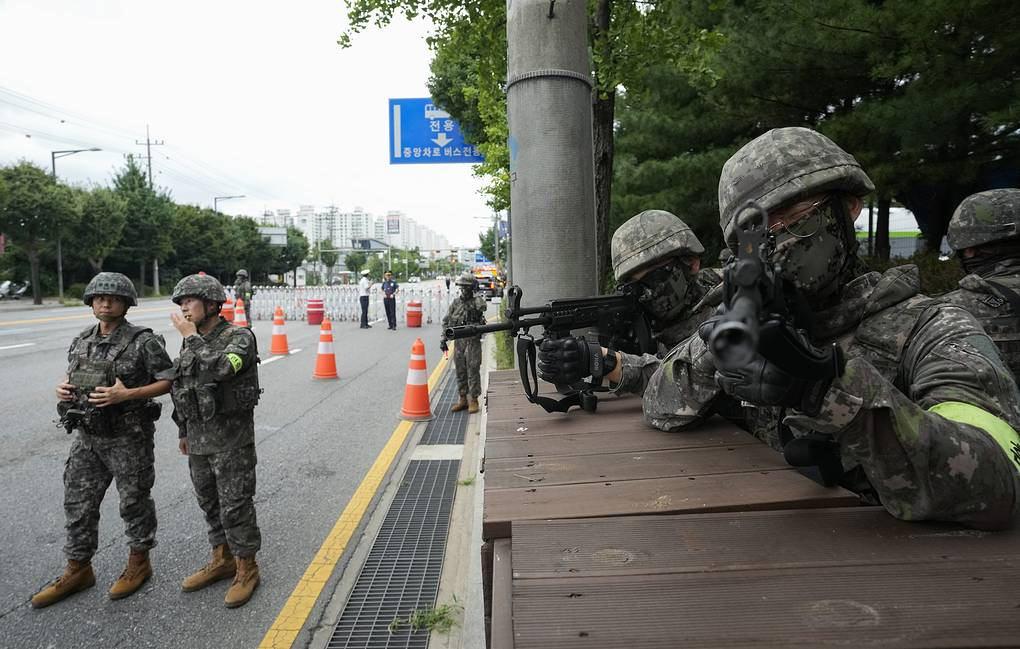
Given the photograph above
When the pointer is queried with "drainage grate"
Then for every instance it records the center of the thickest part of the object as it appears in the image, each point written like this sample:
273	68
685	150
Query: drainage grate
448	427
402	572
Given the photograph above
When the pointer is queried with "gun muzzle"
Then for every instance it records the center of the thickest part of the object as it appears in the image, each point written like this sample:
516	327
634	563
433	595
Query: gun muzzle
734	339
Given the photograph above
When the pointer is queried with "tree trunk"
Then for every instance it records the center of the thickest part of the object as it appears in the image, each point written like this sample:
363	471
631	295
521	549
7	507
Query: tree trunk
882	229
141	278
603	113
155	277
97	265
33	272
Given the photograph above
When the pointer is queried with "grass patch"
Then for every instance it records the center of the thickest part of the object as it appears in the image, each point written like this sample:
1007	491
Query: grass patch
466	482
441	619
504	343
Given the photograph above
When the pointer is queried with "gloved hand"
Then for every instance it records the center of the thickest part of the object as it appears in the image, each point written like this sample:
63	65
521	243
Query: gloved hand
762	383
443	346
564	361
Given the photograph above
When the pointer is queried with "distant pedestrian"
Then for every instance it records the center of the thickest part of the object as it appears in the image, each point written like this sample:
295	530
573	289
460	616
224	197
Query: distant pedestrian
114	370
215	390
389	289
364	285
447	278
243	291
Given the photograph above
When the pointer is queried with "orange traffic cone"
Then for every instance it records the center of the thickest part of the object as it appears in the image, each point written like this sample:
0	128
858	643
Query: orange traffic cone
325	362
278	345
240	318
416	394
227	310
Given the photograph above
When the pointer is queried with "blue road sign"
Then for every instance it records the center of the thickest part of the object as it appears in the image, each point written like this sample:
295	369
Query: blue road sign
421	133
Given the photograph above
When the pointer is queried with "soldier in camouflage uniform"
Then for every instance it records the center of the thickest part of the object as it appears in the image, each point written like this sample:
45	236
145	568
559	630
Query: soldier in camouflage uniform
466	309
215	390
243	291
923	409
985	234
660	256
114	371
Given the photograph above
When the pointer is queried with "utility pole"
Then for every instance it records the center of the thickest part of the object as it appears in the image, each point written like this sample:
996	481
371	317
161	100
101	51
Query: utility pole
148	144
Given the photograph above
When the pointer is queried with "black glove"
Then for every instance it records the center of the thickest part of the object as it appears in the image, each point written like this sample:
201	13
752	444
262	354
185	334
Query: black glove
762	383
443	347
564	361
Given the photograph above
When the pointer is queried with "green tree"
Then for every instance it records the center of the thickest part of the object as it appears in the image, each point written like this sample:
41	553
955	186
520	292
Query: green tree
36	210
328	256
487	243
355	261
294	253
203	241
147	232
98	233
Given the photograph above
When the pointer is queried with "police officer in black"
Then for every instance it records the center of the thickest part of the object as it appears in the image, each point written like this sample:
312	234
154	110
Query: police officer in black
389	289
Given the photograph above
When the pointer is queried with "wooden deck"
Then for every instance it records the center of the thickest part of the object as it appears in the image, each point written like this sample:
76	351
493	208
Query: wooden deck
602	532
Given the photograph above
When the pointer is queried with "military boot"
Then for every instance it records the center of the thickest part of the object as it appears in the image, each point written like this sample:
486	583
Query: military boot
221	567
77	577
473	405
136	573
245	582
460	405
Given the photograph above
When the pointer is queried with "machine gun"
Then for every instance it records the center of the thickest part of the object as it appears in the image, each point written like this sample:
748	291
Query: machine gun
756	321
617	321
82	415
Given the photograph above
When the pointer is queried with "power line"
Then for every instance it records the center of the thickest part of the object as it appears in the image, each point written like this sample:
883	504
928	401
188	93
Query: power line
149	143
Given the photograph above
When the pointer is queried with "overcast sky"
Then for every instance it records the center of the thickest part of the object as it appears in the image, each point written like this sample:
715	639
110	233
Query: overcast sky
250	97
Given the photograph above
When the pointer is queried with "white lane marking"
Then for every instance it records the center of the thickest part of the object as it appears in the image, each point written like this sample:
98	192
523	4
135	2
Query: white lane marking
16	346
272	359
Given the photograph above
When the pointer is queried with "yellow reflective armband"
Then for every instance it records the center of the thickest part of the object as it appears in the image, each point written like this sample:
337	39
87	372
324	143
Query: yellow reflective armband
235	362
998	429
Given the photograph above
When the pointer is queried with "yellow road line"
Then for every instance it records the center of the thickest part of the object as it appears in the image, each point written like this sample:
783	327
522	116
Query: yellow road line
292	617
82	316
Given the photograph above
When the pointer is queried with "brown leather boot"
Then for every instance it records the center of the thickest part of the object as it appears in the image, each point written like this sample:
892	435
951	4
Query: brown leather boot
473	405
245	582
460	405
221	567
77	577
136	573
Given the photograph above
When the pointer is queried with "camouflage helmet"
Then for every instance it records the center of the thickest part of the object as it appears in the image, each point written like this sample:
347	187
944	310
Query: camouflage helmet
985	217
110	284
242	273
466	279
201	286
650	237
782	165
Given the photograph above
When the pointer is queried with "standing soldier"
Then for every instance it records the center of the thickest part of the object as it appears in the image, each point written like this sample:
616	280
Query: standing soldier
660	257
243	291
215	391
389	289
466	309
985	234
114	371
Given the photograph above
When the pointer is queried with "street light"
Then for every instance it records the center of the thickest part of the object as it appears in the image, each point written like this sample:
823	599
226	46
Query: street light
63	153
217	199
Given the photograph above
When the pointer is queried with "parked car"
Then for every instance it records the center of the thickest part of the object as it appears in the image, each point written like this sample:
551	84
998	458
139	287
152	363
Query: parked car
413	279
489	285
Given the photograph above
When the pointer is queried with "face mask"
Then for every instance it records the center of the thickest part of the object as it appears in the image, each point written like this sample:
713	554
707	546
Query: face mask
811	253
664	291
466	292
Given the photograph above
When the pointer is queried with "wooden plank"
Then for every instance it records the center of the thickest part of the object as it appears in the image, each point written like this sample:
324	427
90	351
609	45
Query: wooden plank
514	409
845	536
556	470
572	422
780	489
973	604
502	590
636	438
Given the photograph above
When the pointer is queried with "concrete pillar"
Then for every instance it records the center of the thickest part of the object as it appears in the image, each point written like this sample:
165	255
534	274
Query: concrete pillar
552	178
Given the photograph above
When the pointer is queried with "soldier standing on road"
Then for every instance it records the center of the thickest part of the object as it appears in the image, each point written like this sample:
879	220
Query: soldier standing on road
115	369
215	391
921	413
660	257
364	287
466	309
985	234
243	291
389	289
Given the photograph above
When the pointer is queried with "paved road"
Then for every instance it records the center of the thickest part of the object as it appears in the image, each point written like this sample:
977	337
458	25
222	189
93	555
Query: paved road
315	440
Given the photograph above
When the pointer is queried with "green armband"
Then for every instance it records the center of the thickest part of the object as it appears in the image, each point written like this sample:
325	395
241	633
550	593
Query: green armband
235	362
997	429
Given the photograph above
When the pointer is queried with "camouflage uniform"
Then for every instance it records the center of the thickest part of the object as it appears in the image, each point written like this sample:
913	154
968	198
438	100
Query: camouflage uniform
467	352
925	407
215	391
123	451
243	291
992	292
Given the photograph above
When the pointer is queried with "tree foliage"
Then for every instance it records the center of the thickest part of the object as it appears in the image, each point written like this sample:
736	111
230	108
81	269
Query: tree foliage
98	232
